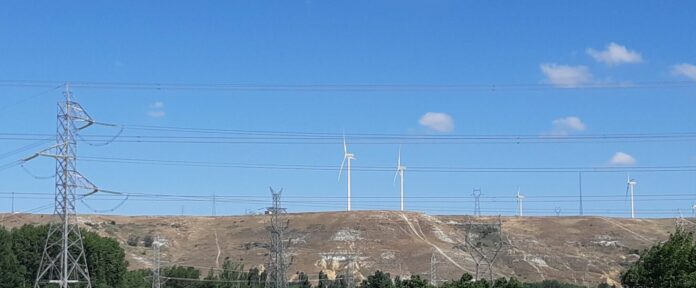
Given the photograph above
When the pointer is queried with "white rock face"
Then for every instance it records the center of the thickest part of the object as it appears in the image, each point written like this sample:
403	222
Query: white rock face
347	235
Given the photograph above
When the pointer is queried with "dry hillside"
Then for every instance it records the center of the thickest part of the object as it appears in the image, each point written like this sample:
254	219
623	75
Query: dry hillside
572	249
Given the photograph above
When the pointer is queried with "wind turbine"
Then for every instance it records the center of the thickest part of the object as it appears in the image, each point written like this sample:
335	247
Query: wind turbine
630	187
519	198
693	210
346	156
400	172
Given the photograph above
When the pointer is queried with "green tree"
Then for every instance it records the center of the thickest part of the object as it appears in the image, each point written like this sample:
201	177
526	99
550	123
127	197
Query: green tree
181	277
339	282
324	281
105	259
232	275
668	264
464	282
378	280
397	282
141	278
28	244
11	272
255	278
415	282
551	284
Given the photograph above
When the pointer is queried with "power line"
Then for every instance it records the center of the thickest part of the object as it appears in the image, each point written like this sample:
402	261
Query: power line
389	87
369	140
241	197
421	169
29	97
32	210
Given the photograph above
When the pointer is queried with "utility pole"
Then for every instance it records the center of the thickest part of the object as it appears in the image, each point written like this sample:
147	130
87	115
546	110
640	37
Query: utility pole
156	277
477	201
63	261
580	188
483	242
349	269
214	212
277	275
433	269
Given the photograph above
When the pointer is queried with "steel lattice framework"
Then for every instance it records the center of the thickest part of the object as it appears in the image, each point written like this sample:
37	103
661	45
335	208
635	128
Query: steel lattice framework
277	267
63	261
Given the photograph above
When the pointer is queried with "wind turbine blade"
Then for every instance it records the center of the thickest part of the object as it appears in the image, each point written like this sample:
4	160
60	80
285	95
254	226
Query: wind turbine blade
395	174
345	147
398	165
341	169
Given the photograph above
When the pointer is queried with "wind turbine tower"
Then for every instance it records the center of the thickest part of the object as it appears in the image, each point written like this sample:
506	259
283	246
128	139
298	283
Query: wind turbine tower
346	156
693	210
630	188
400	172
519	198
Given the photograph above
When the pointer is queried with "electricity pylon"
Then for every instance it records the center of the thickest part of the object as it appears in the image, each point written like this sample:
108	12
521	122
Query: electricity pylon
156	275
277	271
63	261
350	270
433	269
477	201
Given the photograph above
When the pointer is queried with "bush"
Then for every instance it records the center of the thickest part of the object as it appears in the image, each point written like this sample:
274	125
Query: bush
668	264
148	240
133	240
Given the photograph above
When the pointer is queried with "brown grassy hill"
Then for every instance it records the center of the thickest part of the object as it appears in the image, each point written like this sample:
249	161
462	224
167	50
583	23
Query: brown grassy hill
572	249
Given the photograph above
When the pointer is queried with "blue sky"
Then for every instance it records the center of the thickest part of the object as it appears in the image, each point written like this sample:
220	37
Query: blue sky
556	47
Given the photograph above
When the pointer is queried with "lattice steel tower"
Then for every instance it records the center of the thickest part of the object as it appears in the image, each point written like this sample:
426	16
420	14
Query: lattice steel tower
156	277
277	267
433	269
477	201
63	261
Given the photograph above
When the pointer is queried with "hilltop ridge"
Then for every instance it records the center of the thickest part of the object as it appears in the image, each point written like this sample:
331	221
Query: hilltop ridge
582	250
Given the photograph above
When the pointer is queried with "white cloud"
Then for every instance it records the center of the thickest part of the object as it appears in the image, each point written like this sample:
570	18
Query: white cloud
567	125
621	158
440	122
566	76
686	70
615	54
156	110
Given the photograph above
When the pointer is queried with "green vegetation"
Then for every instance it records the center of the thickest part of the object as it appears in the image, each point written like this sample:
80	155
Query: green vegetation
20	254
11	272
668	264
383	280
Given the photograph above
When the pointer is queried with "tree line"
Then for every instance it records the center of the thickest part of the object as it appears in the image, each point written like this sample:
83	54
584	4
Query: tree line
668	264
